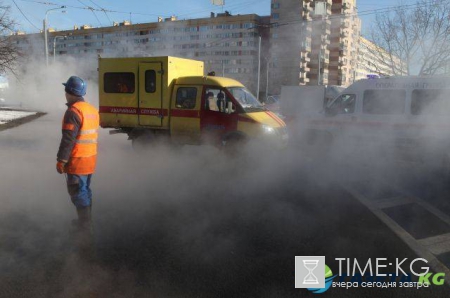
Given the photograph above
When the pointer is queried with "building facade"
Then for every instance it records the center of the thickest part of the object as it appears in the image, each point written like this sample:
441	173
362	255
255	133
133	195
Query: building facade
344	46
374	60
229	45
313	42
302	42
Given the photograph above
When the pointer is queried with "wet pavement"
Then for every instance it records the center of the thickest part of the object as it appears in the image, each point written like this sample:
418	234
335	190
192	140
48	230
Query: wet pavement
181	223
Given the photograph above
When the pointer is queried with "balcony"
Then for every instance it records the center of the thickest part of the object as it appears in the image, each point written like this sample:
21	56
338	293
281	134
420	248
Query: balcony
343	47
302	70
325	62
305	48
304	58
345	24
304	80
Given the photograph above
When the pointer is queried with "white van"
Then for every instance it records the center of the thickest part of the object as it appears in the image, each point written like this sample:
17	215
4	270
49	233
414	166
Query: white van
407	118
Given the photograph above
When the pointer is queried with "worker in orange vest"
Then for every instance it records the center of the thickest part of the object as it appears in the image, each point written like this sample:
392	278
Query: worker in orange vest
77	153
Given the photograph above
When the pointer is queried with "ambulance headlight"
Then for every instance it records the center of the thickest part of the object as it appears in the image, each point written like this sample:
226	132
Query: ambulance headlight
268	129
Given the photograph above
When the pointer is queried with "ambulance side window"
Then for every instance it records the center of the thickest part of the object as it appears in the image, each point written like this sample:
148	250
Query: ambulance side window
216	100
344	104
430	102
186	98
118	82
150	81
384	102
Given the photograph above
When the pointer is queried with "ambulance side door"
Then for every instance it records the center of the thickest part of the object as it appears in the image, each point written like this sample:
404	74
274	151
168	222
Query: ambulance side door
185	114
341	113
150	94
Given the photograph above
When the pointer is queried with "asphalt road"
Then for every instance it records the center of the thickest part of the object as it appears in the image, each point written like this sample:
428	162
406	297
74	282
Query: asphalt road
180	223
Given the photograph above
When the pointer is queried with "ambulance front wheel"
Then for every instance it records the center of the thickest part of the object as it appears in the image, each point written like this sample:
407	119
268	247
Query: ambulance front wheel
232	145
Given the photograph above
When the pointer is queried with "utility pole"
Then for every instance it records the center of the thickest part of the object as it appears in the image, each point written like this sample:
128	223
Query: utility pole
267	76
45	31
320	58
259	67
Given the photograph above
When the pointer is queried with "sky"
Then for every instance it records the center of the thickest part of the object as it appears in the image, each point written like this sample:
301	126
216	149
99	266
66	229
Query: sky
145	11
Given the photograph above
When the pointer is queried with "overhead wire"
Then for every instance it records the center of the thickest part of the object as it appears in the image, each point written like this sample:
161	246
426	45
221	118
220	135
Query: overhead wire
229	7
25	15
104	10
278	24
362	13
92	10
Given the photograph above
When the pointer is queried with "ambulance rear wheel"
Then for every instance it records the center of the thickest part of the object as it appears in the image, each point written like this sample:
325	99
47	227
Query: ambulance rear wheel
143	142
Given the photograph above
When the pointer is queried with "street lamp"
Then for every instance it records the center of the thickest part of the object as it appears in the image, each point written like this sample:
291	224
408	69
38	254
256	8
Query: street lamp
268	60
45	30
259	67
54	45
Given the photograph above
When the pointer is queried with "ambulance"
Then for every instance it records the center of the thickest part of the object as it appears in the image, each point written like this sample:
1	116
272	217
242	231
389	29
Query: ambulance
402	117
156	99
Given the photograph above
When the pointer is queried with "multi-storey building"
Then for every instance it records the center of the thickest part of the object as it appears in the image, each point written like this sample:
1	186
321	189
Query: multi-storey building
228	45
345	32
310	42
320	46
290	36
373	59
313	42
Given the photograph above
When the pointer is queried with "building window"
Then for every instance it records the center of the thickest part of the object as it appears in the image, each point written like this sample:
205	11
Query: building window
275	5
118	82
186	97
275	16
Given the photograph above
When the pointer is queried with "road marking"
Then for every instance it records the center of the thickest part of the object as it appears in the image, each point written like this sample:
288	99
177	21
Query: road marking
426	248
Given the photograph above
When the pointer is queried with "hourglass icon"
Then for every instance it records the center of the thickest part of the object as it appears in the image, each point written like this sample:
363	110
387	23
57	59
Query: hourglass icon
310	278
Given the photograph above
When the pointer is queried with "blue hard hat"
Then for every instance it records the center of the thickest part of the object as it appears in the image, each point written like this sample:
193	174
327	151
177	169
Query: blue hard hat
75	86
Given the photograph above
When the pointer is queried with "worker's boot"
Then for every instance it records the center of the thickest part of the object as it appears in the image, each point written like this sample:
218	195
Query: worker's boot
85	233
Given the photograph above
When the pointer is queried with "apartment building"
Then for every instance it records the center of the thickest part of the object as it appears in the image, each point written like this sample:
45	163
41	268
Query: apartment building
374	60
227	44
344	46
313	42
290	43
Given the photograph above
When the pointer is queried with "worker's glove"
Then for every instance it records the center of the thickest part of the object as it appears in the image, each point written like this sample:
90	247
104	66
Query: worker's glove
60	166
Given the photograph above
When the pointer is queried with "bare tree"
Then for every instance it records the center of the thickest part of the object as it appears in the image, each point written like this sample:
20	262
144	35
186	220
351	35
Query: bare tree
413	40
9	53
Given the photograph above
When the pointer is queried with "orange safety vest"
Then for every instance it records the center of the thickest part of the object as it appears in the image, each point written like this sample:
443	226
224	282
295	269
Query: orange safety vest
84	153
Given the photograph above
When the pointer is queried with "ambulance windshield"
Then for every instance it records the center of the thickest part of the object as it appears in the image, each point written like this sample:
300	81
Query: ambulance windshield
247	101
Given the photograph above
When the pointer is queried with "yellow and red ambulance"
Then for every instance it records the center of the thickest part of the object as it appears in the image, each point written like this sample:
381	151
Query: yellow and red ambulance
170	97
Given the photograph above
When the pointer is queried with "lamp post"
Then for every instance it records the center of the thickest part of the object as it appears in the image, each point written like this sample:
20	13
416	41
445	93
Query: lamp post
45	30
259	67
267	75
54	45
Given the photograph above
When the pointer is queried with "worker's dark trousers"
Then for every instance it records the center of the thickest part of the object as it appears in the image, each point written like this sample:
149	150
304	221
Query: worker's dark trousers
79	190
81	195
